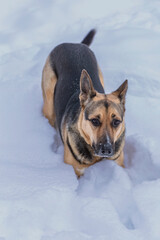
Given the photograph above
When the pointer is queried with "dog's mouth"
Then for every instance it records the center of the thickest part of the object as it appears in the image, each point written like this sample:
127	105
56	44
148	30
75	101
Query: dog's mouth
103	155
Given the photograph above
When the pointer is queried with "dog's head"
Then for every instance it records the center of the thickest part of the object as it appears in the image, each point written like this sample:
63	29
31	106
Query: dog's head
102	118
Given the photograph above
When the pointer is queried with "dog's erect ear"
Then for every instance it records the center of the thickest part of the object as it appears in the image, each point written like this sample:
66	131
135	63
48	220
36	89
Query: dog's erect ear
87	90
121	91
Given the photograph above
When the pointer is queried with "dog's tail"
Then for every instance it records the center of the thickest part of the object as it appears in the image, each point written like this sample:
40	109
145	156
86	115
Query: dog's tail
89	38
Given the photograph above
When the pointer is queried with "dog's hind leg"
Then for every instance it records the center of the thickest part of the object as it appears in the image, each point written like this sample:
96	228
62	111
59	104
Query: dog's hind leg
49	80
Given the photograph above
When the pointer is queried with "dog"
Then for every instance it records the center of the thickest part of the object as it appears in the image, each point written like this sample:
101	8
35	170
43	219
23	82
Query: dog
91	123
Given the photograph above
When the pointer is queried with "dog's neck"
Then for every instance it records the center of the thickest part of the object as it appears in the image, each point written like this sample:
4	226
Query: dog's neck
79	148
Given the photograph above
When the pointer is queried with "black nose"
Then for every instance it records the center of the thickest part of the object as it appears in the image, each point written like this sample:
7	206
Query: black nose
106	149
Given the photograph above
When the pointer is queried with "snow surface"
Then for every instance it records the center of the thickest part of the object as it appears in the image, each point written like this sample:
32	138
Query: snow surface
40	196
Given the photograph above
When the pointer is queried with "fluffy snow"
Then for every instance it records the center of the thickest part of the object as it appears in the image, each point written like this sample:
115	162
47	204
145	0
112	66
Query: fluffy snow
40	196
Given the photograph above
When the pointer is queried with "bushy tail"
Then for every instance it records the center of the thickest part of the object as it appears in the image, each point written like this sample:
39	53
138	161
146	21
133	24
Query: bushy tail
89	38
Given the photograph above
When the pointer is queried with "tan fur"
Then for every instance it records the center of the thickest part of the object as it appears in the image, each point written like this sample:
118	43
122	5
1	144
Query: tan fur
82	131
69	159
99	96
49	80
113	98
120	160
101	76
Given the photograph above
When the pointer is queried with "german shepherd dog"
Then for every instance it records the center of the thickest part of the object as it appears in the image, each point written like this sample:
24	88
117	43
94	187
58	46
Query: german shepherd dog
90	122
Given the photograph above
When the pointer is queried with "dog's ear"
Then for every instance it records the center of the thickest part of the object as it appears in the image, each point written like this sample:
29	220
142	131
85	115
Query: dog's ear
121	92
87	90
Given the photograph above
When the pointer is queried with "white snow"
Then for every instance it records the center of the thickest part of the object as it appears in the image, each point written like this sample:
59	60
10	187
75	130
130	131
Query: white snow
40	196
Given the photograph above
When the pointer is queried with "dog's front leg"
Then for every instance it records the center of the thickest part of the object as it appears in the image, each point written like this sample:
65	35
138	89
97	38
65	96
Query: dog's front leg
69	159
120	160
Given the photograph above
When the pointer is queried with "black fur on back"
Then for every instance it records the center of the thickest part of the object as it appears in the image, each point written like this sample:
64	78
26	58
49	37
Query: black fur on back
67	61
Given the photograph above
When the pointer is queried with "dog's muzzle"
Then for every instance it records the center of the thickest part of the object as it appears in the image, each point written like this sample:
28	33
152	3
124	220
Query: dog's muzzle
103	150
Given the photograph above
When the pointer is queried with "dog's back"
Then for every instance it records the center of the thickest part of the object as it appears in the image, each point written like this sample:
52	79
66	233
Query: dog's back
68	60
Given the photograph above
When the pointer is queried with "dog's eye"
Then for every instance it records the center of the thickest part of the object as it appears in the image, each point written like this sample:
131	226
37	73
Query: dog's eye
95	122
115	123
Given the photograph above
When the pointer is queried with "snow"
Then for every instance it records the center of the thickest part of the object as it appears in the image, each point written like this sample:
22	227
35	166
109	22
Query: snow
40	196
